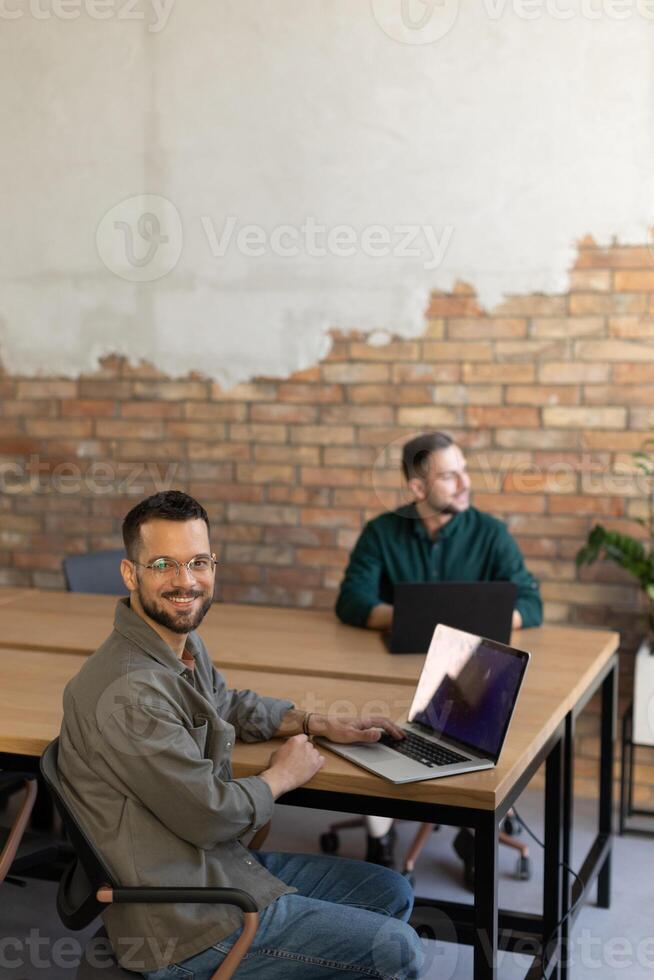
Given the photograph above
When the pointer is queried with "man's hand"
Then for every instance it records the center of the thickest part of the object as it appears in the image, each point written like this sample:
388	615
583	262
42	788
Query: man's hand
346	730
292	765
380	617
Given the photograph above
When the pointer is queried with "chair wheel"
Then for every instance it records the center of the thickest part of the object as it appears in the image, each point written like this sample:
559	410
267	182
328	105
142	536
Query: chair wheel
329	842
523	869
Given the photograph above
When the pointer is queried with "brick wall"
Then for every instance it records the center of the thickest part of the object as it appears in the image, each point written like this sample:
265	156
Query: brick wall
549	395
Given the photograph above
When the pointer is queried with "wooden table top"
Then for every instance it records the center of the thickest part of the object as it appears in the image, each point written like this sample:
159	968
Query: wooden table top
32	682
270	638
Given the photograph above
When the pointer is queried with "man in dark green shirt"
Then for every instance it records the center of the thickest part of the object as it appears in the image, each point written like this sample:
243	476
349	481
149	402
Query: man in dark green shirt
438	537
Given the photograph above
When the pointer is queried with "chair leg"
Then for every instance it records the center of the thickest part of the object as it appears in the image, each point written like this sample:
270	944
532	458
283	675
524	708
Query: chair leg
230	964
424	830
18	829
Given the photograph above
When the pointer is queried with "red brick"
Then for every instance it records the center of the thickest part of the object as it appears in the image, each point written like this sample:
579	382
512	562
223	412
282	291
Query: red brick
213	411
536	304
429	417
272	412
68	428
262	514
613	350
355	373
481	328
18	446
632	374
632	327
43	388
230	492
323	435
149	410
219	451
492	373
330	517
584	418
260	432
577	504
310	394
233	572
446	350
616	441
131	429
536	439
537	547
397	350
510	417
562	372
568	326
618	257
88	406
357	415
295	578
444	304
501	503
100	388
309	537
426	373
531	481
353	456
264	473
143	451
542	395
306	374
196	430
172	390
593	280
381	436
625	394
322	557
607	303
330	476
259	554
551	526
635	280
287	454
259	392
30	409
318	496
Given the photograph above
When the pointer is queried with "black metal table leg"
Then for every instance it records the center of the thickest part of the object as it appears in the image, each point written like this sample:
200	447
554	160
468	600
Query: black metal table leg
568	821
486	909
609	715
554	837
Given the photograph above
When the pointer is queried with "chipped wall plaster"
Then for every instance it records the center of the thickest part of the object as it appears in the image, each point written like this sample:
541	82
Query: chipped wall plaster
163	181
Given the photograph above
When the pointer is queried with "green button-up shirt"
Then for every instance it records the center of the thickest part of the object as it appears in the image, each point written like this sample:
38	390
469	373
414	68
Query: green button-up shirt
395	547
144	758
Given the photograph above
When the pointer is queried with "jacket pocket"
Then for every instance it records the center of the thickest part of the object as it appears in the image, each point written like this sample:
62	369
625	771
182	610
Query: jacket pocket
199	734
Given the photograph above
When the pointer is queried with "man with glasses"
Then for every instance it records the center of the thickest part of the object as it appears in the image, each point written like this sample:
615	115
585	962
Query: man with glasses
144	756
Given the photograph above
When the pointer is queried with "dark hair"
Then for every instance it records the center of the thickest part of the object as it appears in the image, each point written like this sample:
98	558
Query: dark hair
169	505
416	452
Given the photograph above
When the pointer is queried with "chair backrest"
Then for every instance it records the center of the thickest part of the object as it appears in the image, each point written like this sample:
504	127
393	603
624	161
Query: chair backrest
97	572
76	900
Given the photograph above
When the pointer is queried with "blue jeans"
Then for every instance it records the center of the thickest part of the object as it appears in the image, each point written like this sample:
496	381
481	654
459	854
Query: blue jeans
347	918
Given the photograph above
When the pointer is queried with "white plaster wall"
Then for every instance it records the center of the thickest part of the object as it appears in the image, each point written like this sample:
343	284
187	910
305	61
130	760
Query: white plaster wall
510	136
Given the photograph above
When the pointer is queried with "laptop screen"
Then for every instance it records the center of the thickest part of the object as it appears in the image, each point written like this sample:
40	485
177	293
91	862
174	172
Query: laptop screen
468	689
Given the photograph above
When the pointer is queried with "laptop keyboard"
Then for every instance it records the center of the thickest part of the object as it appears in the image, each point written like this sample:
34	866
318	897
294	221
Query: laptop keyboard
422	750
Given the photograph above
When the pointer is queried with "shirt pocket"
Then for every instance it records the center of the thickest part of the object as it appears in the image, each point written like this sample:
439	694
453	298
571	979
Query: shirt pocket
200	735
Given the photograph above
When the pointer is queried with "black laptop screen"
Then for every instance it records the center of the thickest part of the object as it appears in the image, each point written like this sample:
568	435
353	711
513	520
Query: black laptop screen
468	689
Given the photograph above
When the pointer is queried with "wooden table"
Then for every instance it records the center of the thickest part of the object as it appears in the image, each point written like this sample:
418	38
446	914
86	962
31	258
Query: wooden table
557	685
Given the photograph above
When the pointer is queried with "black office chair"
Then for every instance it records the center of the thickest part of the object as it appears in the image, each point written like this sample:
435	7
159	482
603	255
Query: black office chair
97	572
23	851
87	886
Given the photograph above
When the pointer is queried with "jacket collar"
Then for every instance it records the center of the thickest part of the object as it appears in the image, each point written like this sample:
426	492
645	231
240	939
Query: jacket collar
135	629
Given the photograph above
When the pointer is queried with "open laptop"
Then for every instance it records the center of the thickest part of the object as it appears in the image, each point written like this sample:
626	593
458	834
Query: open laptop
484	608
459	716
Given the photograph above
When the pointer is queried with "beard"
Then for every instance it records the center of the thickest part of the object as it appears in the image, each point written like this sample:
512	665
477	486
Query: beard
184	620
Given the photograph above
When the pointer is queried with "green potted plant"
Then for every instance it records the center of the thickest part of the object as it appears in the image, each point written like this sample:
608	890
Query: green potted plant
636	557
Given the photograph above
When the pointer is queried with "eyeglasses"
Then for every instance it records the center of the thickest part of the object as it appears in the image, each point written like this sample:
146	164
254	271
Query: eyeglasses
169	568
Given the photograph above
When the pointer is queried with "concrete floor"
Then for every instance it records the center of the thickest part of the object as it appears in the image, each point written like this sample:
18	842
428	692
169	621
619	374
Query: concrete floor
606	943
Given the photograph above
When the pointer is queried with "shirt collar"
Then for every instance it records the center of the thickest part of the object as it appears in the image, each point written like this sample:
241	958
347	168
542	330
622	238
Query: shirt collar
132	627
419	528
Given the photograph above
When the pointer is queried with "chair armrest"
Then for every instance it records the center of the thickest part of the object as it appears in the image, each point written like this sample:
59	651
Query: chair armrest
220	896
170	895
